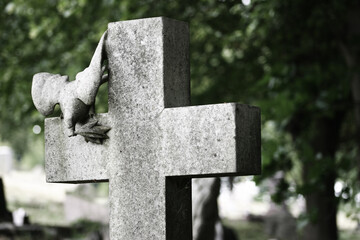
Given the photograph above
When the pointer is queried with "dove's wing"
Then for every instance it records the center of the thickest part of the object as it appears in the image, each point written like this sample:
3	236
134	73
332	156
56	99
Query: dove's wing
89	80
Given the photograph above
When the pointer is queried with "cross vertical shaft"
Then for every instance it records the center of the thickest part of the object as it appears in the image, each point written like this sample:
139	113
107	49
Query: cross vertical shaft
149	70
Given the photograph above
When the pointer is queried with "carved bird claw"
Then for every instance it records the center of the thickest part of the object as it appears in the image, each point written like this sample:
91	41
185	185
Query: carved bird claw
93	132
105	76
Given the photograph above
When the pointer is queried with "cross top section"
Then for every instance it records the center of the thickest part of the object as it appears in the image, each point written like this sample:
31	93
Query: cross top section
156	67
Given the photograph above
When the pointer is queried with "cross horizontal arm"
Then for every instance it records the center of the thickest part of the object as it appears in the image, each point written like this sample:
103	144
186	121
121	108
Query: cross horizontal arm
71	159
211	140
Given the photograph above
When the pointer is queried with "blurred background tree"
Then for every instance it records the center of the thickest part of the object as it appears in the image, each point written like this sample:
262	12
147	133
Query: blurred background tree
297	60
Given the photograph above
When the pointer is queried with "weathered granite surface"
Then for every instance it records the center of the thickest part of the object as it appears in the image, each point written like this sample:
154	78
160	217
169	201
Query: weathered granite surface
71	159
156	143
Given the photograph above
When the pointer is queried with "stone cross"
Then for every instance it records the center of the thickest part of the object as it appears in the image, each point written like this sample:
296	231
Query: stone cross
157	142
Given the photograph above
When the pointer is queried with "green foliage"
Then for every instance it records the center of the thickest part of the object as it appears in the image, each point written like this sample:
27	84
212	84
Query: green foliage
83	228
349	235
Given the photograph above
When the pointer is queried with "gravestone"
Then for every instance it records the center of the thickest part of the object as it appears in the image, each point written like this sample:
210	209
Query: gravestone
6	160
157	142
77	208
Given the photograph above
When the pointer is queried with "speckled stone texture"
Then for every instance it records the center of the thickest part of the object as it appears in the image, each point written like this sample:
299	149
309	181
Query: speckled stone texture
157	143
71	159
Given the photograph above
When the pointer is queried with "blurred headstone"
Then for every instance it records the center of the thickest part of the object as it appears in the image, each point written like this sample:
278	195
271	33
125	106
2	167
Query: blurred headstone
6	160
279	223
77	208
156	143
20	217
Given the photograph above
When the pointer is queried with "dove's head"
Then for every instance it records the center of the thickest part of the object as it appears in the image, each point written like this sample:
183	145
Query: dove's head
45	91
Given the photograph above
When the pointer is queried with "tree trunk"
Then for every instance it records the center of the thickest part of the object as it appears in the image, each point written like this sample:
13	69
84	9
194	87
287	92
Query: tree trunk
205	208
355	89
206	220
319	175
323	206
319	141
351	52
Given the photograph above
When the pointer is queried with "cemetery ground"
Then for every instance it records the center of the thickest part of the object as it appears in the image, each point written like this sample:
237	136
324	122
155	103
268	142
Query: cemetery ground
44	203
55	211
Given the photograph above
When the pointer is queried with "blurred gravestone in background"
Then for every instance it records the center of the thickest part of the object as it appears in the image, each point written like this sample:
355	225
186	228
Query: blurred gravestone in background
6	160
279	222
81	205
6	164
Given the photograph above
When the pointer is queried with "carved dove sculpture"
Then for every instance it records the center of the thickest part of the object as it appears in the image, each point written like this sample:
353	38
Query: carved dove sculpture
76	98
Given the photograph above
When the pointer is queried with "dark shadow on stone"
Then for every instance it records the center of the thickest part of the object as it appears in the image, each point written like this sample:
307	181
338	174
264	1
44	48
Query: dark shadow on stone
178	208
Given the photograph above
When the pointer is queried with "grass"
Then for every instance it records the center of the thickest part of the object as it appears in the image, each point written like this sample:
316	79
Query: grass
246	230
349	235
49	214
256	231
